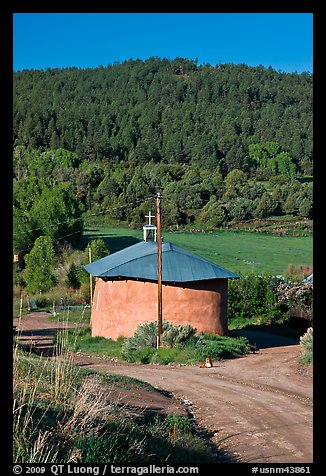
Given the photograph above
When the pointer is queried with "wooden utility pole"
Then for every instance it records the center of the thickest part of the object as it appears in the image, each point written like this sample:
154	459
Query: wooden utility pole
159	269
90	277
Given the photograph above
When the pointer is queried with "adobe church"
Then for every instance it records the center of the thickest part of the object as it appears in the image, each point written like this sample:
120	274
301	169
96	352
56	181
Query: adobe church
194	290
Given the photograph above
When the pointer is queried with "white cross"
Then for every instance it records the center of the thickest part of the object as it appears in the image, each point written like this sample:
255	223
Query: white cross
149	216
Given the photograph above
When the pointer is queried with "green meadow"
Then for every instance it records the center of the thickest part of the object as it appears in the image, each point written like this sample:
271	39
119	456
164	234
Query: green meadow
239	251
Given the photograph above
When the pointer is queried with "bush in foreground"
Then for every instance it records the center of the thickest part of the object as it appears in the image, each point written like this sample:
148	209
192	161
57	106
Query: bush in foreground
180	344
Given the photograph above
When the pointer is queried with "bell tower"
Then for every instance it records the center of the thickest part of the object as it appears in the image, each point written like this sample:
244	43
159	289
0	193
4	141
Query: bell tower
149	230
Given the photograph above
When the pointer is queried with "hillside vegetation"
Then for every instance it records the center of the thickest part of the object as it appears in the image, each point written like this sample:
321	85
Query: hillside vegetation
222	144
227	146
166	110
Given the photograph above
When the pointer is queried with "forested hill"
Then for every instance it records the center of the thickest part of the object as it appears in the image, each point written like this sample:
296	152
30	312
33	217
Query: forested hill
170	111
222	144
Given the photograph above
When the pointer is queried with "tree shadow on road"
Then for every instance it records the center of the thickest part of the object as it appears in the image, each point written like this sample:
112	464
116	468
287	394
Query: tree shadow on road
265	336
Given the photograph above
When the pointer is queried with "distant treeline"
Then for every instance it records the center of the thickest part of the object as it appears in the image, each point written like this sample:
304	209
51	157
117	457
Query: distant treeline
165	110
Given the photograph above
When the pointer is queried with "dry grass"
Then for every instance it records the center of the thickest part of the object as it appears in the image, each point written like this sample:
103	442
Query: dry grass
43	386
36	380
63	413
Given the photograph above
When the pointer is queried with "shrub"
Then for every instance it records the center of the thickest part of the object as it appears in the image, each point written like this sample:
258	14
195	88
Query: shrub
220	347
182	345
18	279
146	336
182	423
177	335
144	356
72	280
306	341
98	250
254	297
296	295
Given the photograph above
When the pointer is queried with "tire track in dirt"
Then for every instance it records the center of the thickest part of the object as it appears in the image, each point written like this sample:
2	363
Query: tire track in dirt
254	422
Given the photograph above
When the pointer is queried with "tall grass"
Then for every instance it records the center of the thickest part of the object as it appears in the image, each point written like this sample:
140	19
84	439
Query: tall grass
62	414
42	387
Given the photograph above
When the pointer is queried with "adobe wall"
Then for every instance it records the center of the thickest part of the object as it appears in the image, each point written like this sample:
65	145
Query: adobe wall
120	305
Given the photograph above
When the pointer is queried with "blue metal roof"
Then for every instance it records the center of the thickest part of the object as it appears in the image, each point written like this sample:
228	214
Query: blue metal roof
140	261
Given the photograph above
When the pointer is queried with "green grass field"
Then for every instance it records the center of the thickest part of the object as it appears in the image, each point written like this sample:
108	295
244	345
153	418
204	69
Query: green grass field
238	251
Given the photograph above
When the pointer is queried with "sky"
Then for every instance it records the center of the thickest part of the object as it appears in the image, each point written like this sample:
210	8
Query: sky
283	41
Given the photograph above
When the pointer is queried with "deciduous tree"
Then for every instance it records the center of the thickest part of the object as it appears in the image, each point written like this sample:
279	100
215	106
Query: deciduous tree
39	274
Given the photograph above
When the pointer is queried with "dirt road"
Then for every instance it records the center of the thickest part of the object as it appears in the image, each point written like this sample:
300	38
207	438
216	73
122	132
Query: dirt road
258	407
